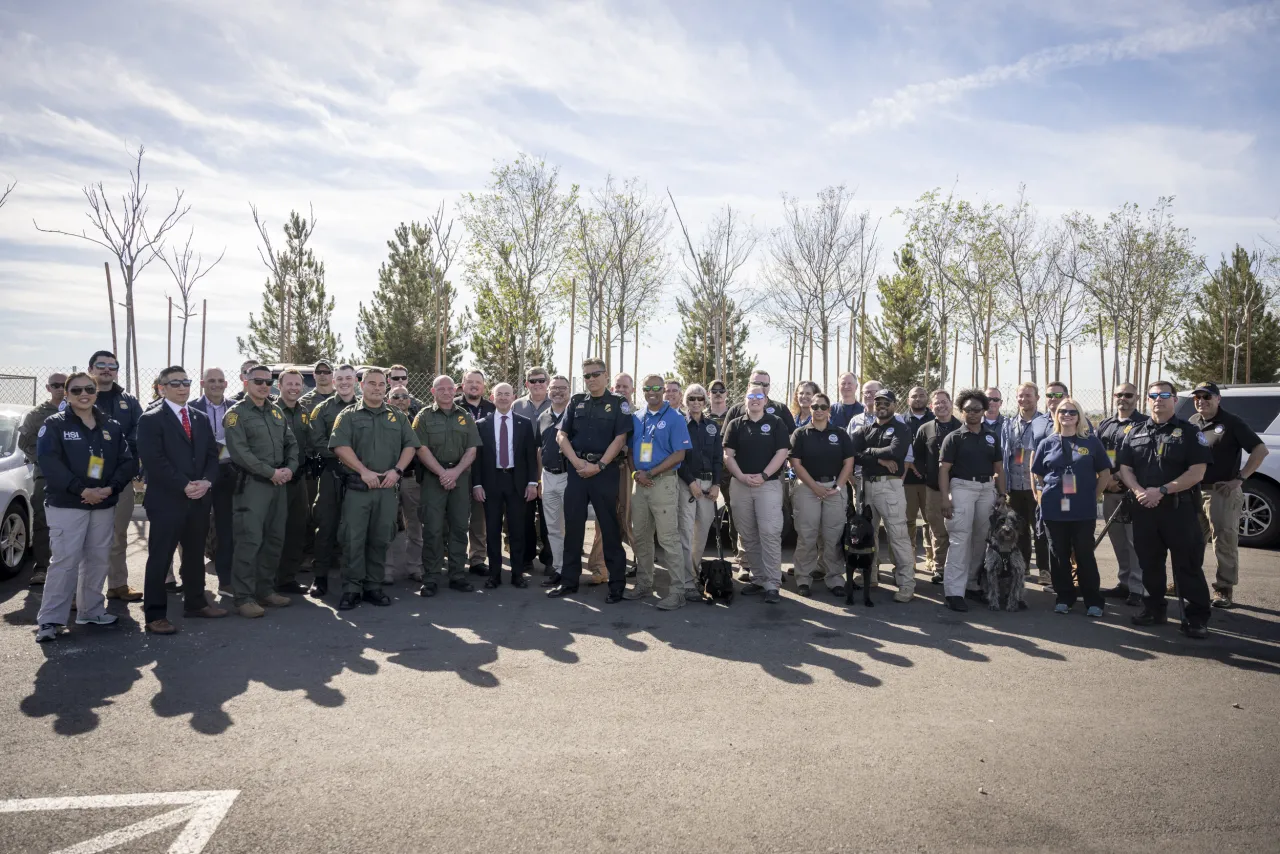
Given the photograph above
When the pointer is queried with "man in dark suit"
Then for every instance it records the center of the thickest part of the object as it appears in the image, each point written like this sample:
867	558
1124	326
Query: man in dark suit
214	404
508	480
177	447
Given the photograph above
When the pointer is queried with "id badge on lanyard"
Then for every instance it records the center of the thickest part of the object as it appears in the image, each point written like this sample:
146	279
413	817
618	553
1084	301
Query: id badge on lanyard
646	446
96	466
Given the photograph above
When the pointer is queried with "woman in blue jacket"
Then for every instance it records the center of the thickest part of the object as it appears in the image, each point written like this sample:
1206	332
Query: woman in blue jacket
86	462
1071	470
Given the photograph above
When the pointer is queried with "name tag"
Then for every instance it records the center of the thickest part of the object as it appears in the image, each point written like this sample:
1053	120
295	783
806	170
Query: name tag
1066	505
1069	483
96	465
646	452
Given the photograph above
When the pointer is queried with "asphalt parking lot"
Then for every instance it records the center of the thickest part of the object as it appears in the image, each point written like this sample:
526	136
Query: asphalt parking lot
502	721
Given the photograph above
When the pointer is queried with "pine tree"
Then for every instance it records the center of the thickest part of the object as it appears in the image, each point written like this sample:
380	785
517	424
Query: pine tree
896	339
506	315
297	281
399	327
695	359
1199	350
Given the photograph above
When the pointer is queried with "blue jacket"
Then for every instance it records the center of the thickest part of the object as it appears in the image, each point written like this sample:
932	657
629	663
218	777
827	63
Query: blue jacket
123	408
64	447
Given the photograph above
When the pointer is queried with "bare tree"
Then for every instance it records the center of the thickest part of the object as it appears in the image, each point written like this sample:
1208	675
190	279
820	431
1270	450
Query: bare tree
1030	273
591	254
9	188
865	265
187	268
635	224
278	265
446	246
125	235
1067	314
934	230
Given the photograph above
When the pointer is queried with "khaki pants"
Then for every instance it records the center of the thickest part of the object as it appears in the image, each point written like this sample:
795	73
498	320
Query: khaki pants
819	529
757	511
595	563
696	519
937	555
889	508
967	529
654	511
404	555
80	541
477	550
1128	573
1220	517
917	498
553	486
118	568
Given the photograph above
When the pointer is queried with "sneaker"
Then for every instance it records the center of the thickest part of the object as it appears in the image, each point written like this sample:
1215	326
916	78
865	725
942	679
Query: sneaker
1094	611
903	596
936	578
692	596
672	602
1062	608
638	593
771	597
100	620
37	577
48	632
752	589
1222	599
250	609
1199	631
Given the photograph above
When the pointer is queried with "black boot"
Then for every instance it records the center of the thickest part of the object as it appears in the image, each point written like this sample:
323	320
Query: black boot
1150	617
320	587
348	601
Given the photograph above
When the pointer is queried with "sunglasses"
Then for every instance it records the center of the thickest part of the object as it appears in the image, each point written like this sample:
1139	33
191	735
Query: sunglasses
401	378
821	407
1065	412
78	390
651	388
592	375
107	366
1124	395
56	385
717	391
755	397
996	399
1054	395
762	385
1159	395
259	381
1203	396
399	397
536	381
696	399
974	409
178	383
323	373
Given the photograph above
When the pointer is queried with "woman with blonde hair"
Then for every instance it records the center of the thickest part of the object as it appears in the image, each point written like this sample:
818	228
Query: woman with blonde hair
802	402
1070	471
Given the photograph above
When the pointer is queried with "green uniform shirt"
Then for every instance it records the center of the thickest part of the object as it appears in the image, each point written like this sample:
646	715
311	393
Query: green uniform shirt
314	398
258	438
447	435
320	424
297	419
377	436
31	424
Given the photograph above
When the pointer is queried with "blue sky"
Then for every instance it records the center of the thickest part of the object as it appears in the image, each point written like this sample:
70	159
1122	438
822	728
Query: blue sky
375	112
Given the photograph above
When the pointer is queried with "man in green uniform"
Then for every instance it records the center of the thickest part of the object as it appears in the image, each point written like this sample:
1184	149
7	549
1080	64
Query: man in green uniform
375	443
327	510
266	453
27	434
449	440
298	513
322	372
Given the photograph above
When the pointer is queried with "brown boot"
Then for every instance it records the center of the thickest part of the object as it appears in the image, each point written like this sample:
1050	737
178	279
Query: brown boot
250	609
275	600
161	627
124	593
209	611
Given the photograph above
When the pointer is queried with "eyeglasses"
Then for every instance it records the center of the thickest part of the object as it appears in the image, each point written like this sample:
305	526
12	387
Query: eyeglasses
1123	395
401	378
259	381
821	407
323	373
974	409
1203	396
212	381
107	366
592	375
536	381
697	398
1054	395
77	390
1066	412
178	383
1159	395
56	385
651	388
756	396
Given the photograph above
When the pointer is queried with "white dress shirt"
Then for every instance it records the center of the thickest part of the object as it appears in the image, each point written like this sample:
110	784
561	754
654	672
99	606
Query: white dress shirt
511	440
177	410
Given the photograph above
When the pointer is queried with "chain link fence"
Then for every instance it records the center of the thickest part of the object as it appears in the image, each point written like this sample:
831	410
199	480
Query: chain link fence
20	387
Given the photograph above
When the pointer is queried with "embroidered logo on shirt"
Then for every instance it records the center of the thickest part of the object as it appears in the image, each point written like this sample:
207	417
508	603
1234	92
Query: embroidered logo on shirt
889	432
769	409
276	413
231	419
711	429
1217	429
1204	440
991	440
764	428
662	425
833	438
1177	433
41	433
70	435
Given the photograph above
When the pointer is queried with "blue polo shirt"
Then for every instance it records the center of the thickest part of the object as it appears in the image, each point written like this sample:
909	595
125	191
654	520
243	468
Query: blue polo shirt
666	430
1054	457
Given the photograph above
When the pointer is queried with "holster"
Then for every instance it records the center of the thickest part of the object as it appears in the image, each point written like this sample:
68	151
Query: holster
354	483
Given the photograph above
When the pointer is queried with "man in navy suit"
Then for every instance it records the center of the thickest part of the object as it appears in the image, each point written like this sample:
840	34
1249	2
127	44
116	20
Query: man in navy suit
214	404
508	481
177	446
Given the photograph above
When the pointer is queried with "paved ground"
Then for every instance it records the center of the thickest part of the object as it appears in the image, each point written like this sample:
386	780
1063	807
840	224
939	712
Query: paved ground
502	721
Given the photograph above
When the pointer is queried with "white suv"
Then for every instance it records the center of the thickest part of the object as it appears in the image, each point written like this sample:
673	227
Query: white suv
1259	406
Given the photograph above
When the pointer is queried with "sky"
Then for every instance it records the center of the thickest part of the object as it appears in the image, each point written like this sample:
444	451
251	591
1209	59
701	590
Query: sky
376	112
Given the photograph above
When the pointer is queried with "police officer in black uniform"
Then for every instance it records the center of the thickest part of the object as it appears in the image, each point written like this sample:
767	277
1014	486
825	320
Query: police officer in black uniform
594	430
1162	462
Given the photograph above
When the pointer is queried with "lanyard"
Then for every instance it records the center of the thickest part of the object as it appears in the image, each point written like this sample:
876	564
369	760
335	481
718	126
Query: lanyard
657	419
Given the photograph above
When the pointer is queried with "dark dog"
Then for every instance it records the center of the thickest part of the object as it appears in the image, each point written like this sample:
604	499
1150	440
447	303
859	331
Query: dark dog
715	577
1004	570
859	553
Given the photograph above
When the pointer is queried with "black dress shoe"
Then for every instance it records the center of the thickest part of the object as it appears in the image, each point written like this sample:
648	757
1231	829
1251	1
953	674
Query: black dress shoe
173	587
519	581
376	597
957	603
427	590
348	601
1150	617
560	590
462	586
548	569
320	587
613	598
1120	591
553	581
838	591
479	569
492	584
1198	631
1134	600
291	587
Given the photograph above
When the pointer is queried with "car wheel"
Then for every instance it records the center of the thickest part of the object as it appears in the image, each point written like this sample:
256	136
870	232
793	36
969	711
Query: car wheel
1260	516
15	539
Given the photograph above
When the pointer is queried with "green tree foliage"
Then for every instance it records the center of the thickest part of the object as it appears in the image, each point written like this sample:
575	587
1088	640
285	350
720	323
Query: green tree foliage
697	345
399	325
296	286
510	333
896	339
1252	348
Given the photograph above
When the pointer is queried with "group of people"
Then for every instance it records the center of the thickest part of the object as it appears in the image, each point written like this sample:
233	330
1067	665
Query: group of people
368	483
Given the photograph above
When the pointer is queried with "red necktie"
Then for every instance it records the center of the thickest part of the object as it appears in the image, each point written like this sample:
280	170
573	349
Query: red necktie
504	460
186	423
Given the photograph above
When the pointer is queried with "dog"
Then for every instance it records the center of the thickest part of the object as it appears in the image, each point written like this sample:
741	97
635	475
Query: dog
715	577
1004	569
859	543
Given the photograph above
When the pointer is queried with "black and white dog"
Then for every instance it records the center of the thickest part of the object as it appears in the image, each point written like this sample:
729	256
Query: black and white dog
1004	570
859	542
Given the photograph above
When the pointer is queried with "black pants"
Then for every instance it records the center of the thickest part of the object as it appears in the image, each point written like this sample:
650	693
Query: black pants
504	497
535	535
223	490
601	492
1172	529
1065	538
327	515
174	522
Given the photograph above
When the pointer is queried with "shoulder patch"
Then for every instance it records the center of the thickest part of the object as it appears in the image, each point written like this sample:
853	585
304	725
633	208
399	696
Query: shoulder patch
1203	439
276	413
462	419
889	432
337	421
305	418
41	433
769	409
626	408
232	419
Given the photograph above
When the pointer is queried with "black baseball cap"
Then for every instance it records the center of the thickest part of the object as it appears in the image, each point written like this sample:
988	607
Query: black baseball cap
886	394
1212	388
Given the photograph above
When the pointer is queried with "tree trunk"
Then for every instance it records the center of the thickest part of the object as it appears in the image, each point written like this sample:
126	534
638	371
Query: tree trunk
1102	358
955	355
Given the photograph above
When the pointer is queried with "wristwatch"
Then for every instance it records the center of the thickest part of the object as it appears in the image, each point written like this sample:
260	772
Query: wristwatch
1164	490
399	471
601	465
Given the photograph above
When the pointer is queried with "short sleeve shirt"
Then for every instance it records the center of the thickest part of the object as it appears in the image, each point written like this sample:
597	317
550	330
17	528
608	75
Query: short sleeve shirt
592	423
377	436
755	442
971	454
821	452
1111	433
1069	467
1228	436
664	431
1159	453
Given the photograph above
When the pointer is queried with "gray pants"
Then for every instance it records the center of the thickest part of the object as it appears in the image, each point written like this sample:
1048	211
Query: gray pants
1220	513
118	574
553	486
819	528
757	511
967	529
889	508
696	518
1128	574
80	542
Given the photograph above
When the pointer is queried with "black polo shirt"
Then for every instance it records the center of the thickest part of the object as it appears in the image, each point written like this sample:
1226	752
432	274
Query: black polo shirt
821	452
706	453
878	442
483	409
1228	436
1112	430
592	423
547	426
771	407
926	445
755	442
971	454
914	423
1159	453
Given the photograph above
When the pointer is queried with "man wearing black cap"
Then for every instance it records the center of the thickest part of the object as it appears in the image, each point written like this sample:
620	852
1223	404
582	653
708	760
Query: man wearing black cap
880	448
1223	499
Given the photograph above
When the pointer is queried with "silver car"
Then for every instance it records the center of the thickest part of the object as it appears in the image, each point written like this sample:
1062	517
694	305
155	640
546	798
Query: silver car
16	488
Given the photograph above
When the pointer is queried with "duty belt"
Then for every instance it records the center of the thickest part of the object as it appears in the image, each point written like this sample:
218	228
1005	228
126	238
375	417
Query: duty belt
592	458
982	478
878	477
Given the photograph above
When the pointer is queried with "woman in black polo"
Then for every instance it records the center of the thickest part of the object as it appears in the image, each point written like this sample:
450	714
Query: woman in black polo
755	450
822	458
86	464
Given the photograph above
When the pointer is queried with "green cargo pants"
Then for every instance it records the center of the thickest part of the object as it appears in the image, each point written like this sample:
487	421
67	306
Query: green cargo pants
326	514
446	517
368	527
259	512
297	519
